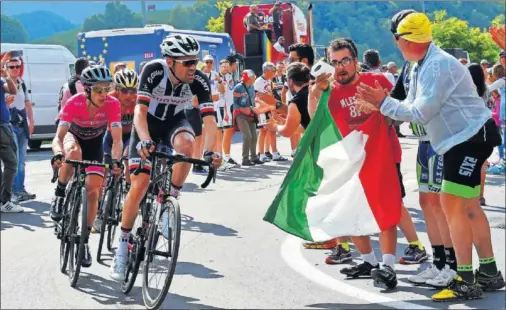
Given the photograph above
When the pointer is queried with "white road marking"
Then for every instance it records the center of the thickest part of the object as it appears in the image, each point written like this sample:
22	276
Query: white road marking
290	251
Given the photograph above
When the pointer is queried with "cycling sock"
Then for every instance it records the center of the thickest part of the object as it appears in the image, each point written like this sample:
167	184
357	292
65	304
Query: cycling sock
123	241
174	190
466	273
60	189
488	266
370	258
451	260
389	260
345	246
87	235
439	260
418	244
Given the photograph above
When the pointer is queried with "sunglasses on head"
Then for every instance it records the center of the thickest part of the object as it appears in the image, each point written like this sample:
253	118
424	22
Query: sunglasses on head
128	90
101	90
14	67
399	35
187	63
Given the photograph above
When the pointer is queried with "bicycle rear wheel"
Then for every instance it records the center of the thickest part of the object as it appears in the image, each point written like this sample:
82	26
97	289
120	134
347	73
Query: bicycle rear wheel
106	210
154	297
114	215
77	242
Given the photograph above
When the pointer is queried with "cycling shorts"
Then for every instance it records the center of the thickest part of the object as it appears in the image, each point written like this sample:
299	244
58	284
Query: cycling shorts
159	131
107	145
220	115
429	169
462	164
403	190
195	119
91	150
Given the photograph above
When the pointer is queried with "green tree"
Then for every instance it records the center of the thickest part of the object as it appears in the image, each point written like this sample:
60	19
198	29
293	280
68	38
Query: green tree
217	24
116	15
453	32
12	30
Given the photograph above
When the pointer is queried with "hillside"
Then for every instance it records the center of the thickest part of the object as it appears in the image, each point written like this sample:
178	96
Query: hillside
67	38
40	24
77	11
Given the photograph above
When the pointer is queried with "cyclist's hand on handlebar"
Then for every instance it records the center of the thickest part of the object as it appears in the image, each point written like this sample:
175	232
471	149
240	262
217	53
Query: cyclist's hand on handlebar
145	147
117	167
57	160
213	158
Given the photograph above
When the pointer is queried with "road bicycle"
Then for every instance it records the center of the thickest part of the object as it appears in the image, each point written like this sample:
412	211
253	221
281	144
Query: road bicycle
111	209
161	220
72	232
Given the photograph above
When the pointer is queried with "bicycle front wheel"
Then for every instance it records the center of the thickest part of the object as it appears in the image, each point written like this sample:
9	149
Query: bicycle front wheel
161	260
77	241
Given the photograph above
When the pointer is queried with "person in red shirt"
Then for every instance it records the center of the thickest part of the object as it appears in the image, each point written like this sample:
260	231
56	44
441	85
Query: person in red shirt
341	103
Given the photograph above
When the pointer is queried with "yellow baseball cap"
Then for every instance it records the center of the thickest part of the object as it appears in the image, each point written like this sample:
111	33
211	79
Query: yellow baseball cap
415	27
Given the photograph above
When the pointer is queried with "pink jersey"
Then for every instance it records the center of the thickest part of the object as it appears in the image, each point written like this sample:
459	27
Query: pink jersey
75	115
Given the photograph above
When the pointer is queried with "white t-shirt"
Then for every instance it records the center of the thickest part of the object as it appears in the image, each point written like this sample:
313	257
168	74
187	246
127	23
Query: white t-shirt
20	97
279	48
262	85
228	97
288	95
212	80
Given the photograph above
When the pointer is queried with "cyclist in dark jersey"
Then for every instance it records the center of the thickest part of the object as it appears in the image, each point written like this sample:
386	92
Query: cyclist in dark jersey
166	88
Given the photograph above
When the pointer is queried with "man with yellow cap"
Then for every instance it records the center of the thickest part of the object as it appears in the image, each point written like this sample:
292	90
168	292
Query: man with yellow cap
442	98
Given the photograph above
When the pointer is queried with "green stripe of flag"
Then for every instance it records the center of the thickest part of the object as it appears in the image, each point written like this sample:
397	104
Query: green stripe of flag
288	210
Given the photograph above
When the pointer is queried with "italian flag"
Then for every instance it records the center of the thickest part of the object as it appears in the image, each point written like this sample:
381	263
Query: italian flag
339	186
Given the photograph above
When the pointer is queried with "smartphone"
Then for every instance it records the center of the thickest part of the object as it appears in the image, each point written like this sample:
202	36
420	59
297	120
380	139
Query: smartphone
321	68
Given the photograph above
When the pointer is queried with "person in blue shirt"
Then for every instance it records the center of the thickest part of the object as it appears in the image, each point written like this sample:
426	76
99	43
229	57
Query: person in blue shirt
443	98
7	144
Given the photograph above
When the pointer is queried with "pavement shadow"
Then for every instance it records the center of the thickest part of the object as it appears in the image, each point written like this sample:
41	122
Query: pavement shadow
196	270
255	173
28	219
106	291
188	223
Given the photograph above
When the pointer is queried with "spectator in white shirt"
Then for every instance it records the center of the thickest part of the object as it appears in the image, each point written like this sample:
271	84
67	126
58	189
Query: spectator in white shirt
372	59
279	46
392	68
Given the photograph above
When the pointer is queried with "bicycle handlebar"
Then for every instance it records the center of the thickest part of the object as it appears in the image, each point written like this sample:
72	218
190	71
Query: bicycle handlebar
76	163
179	158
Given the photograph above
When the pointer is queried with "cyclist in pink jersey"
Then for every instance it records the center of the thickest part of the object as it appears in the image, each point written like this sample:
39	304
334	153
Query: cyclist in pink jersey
83	122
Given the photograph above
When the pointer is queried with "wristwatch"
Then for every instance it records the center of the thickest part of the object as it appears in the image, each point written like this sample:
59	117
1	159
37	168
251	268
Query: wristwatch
278	104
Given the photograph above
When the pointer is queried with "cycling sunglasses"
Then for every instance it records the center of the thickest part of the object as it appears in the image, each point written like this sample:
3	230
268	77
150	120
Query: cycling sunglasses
128	90
187	63
101	90
399	35
14	67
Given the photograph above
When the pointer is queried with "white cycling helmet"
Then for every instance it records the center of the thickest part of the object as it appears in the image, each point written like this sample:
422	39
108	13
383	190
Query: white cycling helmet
95	74
180	45
126	78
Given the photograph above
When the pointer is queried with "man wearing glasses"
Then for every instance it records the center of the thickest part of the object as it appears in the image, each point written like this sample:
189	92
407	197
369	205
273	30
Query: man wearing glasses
167	86
22	122
83	123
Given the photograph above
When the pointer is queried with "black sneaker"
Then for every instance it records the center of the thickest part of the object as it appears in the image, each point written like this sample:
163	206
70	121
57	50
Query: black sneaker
360	270
87	259
413	255
56	208
338	256
489	283
459	290
233	162
258	162
247	163
268	154
384	277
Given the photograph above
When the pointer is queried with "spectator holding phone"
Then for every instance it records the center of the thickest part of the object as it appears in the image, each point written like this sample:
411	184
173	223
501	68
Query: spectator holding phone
8	152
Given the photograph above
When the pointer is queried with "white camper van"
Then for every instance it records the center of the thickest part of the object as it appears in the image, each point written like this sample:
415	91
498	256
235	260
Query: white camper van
46	69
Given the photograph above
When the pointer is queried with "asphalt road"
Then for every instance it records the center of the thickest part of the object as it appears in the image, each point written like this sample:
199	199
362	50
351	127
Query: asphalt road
229	257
